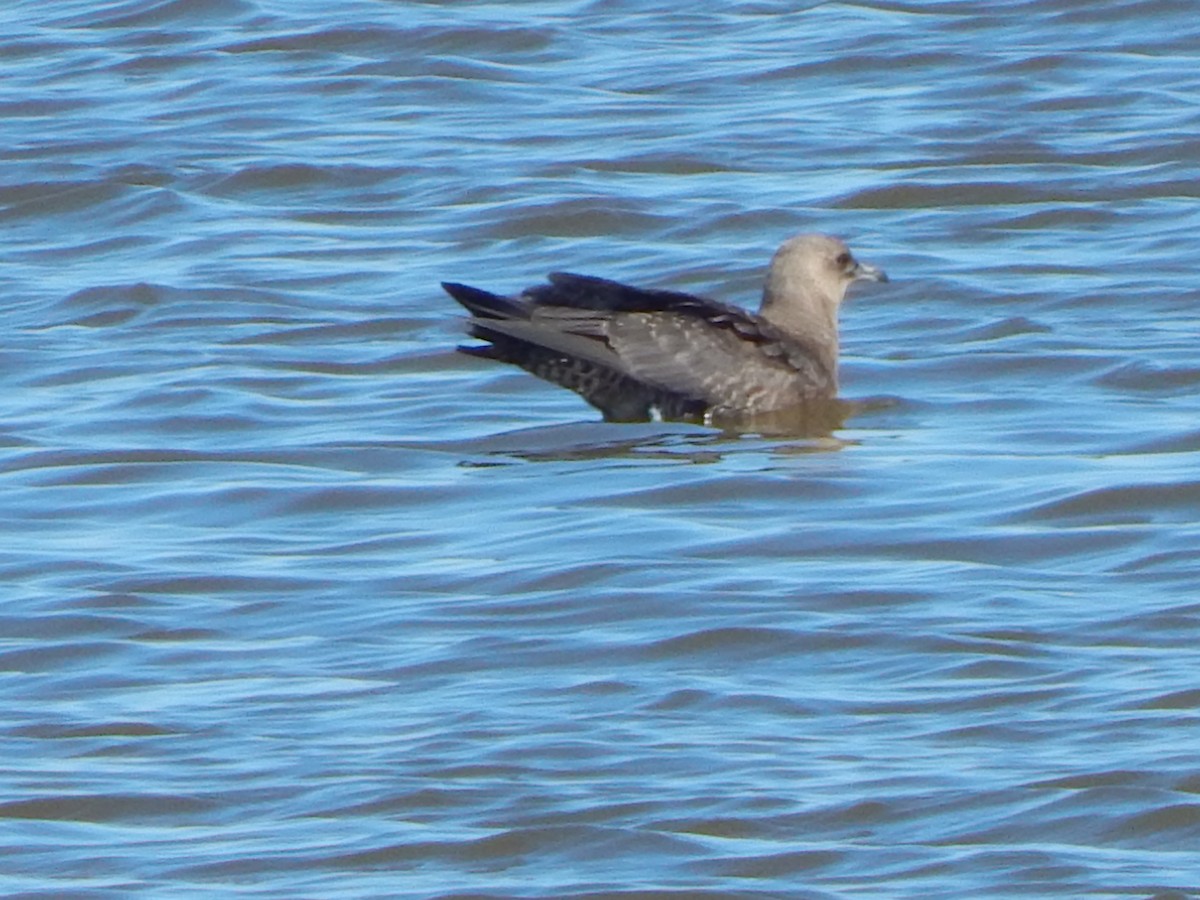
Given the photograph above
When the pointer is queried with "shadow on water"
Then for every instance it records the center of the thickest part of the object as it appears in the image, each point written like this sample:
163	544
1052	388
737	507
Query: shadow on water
786	432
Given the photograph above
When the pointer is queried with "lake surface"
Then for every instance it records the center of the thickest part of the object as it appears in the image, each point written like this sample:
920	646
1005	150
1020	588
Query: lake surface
299	602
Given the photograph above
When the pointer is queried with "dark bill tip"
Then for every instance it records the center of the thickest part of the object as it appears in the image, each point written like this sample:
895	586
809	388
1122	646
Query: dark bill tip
869	273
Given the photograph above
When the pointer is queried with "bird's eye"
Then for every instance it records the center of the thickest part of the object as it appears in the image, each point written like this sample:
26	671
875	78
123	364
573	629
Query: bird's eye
844	260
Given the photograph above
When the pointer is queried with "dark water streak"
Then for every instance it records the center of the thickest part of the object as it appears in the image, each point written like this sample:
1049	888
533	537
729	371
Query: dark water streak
302	603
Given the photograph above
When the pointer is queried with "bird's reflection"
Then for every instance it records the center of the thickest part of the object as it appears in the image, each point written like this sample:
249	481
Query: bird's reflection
811	429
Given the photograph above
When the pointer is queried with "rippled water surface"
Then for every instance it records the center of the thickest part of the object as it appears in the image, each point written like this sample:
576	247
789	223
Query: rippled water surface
301	603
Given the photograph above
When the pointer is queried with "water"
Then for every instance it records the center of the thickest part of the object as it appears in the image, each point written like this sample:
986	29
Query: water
301	603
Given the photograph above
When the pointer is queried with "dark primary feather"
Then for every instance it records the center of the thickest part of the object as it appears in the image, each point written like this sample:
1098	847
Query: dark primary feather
590	292
592	372
632	352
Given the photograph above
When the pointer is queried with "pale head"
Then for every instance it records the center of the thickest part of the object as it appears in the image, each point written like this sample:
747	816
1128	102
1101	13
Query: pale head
805	286
815	268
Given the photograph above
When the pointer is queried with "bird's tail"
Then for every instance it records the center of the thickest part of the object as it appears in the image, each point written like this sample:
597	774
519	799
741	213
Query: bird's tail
567	357
484	304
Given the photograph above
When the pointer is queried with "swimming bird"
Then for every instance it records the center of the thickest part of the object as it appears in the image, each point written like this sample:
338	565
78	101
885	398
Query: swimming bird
638	354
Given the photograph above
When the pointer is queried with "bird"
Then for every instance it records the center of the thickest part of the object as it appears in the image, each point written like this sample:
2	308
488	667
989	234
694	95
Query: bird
643	354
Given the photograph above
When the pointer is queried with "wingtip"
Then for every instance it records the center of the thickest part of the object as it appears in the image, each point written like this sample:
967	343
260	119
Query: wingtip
464	293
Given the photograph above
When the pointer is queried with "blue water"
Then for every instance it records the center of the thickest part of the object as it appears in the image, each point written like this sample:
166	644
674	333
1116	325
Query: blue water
302	603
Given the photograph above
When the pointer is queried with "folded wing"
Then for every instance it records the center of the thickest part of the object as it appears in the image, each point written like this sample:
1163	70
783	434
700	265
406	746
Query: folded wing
633	352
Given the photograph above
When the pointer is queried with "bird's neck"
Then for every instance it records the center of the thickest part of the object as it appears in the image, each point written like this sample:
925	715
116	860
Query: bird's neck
811	322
